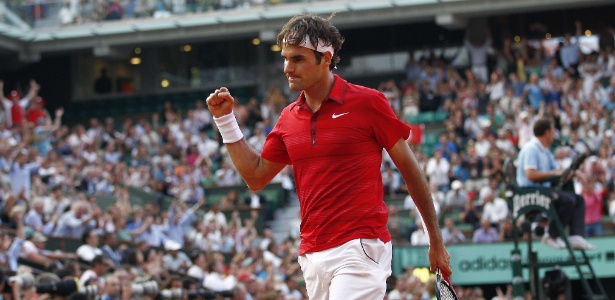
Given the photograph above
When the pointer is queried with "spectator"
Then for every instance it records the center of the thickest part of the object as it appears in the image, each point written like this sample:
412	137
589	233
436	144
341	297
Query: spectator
89	249
391	180
175	260
21	171
16	105
478	47
450	234
95	275
199	266
66	14
217	280
73	223
569	51
112	288
214	214
456	197
506	231
110	250
400	292
102	85
256	200
34	217
390	91
593	207
12	246
485	234
114	10
419	236
495	209
448	147
471	214
437	170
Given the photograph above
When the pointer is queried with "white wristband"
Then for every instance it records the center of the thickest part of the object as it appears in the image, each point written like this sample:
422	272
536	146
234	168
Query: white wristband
229	129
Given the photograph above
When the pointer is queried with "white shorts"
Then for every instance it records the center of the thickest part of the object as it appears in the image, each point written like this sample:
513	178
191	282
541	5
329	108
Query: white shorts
357	270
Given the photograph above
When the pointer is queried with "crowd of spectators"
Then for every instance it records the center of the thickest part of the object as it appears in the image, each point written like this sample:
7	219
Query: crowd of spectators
52	175
489	121
88	11
490	117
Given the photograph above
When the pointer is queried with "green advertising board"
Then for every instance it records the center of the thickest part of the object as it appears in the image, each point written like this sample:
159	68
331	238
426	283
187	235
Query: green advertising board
490	263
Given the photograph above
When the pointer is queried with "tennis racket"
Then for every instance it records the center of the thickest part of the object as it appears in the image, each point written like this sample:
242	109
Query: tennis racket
444	287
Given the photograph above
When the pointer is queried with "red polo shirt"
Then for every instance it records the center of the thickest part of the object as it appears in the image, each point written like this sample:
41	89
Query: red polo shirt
336	155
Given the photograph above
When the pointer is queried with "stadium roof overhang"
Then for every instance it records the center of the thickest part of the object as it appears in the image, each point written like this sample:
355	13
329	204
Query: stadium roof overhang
220	25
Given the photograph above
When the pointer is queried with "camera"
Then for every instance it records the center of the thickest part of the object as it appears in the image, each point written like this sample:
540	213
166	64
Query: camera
145	288
25	281
208	294
202	293
171	294
65	287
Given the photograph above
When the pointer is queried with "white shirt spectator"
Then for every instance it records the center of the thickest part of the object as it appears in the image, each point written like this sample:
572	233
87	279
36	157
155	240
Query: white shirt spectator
226	176
87	252
66	15
196	272
20	177
496	91
495	211
69	225
175	263
206	146
34	220
202	117
482	146
90	275
216	282
218	217
272	258
419	238
525	129
437	170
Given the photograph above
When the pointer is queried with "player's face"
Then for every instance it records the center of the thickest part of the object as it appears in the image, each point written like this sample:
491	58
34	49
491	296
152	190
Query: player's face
302	69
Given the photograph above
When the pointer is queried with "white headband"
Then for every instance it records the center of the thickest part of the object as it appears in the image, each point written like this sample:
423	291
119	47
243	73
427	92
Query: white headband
306	43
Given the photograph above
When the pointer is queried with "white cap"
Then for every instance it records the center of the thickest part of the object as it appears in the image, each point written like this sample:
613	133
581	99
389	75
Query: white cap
171	245
456	185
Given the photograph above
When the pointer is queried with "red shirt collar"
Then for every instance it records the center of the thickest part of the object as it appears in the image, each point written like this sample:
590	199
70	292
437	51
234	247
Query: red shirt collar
336	94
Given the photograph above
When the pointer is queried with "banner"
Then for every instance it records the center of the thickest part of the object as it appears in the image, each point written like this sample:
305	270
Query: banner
490	263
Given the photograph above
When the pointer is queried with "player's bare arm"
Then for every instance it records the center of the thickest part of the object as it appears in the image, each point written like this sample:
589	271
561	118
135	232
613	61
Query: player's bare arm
255	170
407	164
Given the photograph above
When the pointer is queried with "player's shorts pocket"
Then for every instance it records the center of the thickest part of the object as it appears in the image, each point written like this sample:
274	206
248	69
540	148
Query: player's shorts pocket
373	249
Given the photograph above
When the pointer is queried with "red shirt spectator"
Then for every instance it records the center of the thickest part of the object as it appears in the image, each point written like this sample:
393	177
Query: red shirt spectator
36	112
17	114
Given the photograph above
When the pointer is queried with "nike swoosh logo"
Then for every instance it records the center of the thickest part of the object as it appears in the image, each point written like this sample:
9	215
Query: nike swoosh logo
334	116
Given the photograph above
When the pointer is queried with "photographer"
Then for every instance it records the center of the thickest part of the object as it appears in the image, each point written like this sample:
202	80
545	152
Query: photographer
18	287
111	289
536	168
11	247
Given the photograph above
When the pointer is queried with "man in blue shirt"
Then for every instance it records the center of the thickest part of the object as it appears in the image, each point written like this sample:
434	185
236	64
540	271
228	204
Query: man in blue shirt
536	166
10	247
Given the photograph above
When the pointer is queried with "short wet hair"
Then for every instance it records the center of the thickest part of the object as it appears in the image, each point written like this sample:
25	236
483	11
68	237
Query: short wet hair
318	29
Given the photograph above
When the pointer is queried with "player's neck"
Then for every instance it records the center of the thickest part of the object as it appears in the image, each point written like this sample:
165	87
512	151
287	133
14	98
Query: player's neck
318	93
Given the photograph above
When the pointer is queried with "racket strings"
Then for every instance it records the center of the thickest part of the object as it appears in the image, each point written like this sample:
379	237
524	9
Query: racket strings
445	291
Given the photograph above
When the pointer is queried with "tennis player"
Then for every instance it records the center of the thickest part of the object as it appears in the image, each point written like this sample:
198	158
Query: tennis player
333	136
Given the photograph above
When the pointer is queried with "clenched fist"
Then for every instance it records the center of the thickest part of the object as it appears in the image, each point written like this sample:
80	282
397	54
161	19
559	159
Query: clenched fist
220	102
